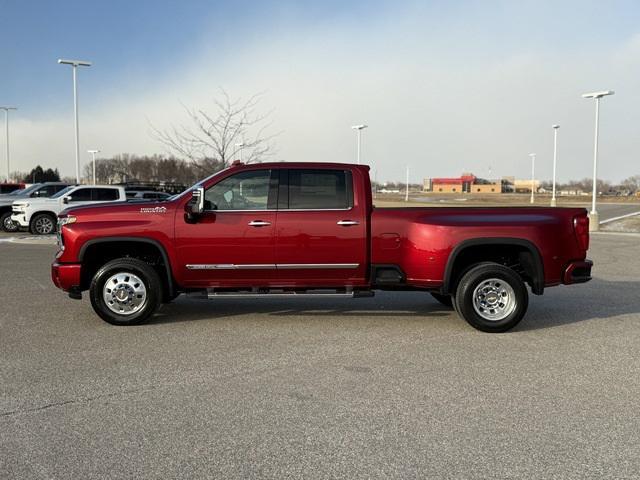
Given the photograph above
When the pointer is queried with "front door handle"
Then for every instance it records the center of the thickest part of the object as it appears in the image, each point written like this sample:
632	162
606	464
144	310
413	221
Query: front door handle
259	223
348	223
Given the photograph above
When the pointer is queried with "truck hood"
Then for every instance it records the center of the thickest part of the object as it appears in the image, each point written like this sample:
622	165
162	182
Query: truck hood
36	201
121	208
9	199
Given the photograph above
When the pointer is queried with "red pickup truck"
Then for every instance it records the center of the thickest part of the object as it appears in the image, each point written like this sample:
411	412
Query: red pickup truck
311	229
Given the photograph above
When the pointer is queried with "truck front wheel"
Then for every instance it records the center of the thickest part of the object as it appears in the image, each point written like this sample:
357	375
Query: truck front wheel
7	224
125	291
491	297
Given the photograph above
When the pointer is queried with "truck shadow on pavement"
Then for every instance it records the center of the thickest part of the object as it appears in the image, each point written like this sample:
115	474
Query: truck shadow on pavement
597	300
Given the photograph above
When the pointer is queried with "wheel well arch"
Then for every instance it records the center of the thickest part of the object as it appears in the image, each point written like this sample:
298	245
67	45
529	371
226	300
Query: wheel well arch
146	249
43	212
521	255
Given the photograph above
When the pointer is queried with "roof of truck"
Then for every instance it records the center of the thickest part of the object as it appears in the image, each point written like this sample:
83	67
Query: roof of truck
238	164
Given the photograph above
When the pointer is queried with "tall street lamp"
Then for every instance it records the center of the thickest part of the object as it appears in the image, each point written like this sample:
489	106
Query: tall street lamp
555	161
241	147
6	125
359	128
75	64
593	215
93	155
406	192
533	176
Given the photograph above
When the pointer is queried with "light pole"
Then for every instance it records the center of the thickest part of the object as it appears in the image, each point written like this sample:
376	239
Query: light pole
6	126
555	162
240	146
75	64
93	155
594	223
533	176
359	128
406	193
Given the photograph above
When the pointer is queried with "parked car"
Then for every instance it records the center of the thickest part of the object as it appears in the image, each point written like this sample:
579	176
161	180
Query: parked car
311	228
37	190
39	215
10	187
146	195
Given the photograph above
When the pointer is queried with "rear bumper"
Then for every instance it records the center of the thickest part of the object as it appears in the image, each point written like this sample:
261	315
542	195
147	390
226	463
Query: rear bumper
66	276
577	272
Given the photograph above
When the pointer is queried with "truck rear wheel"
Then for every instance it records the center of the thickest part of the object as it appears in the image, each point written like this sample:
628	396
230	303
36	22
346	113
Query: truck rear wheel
125	291
491	297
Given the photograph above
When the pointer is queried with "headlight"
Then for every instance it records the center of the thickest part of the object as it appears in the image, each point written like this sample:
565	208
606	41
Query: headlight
66	220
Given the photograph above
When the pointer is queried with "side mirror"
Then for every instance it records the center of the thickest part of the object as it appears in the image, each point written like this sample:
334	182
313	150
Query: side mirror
195	206
66	200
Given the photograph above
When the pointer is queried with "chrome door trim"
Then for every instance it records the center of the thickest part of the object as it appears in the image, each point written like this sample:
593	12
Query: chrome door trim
231	266
270	266
314	266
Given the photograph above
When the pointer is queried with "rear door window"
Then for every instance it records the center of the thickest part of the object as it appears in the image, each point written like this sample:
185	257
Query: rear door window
320	189
104	194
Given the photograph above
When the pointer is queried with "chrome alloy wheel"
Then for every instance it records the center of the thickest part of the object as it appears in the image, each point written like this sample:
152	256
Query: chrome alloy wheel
494	299
44	225
124	293
9	225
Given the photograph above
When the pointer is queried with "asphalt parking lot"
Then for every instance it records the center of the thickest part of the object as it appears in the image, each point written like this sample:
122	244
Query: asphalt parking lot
394	386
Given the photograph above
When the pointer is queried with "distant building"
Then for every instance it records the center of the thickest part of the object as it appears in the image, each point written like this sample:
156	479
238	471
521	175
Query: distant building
524	186
465	183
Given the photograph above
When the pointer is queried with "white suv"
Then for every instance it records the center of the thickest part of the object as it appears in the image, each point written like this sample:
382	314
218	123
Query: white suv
40	214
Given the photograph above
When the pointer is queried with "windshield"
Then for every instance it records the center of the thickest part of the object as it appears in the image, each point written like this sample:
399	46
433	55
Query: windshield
25	191
194	186
62	192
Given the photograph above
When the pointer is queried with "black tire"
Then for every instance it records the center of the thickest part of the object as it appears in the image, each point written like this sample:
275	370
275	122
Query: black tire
7	224
501	299
446	300
42	224
128	271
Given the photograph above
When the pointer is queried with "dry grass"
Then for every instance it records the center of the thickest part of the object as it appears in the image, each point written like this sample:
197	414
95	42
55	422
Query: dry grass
629	224
435	200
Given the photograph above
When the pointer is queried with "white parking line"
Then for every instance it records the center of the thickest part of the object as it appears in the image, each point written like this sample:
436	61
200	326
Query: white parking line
619	218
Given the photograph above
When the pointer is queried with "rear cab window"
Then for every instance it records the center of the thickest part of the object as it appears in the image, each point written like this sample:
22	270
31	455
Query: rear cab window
318	189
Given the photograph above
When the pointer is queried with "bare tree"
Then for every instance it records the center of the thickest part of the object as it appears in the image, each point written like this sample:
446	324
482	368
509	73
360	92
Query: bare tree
211	139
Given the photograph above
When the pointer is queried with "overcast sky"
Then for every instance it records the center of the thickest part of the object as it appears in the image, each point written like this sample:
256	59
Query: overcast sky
445	87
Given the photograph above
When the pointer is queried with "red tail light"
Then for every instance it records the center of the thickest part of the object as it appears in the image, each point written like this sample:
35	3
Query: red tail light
581	227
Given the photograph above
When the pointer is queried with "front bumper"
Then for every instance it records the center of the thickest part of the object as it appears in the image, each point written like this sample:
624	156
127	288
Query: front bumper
577	272
20	219
66	276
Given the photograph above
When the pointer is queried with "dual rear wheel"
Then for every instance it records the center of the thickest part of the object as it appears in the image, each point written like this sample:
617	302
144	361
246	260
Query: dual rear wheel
490	297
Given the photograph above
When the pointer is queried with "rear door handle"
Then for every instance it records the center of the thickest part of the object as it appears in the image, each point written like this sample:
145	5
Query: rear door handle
348	223
259	223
